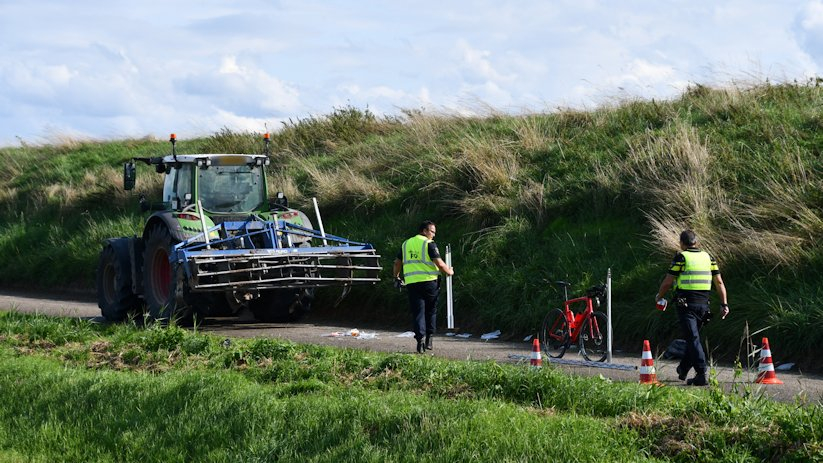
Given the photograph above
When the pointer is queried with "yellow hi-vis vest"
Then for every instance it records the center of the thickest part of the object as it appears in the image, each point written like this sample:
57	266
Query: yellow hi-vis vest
697	273
417	266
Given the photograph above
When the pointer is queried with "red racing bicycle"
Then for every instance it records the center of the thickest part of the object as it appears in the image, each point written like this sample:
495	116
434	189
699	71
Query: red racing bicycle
563	328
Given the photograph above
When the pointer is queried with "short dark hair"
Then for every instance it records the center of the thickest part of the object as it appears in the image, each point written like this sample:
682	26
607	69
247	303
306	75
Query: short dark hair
688	238
424	225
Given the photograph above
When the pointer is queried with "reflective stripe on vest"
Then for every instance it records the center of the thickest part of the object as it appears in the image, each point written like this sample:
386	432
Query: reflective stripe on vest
697	272
417	266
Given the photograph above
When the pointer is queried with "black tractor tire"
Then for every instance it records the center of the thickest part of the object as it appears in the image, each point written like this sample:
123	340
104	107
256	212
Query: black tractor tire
115	297
282	305
163	284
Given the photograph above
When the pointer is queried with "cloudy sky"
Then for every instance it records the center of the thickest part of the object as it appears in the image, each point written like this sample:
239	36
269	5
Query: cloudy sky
115	69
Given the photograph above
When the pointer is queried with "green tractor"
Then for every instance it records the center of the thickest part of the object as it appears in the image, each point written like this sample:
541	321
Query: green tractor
215	244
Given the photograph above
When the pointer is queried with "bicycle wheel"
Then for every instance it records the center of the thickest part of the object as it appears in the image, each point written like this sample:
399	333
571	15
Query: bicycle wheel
594	337
554	334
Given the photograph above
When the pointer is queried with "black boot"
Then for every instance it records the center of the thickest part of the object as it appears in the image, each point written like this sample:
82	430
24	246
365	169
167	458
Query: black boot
698	380
428	342
421	348
682	373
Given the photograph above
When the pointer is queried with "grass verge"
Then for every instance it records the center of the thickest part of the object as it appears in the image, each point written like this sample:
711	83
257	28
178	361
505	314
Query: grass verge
71	390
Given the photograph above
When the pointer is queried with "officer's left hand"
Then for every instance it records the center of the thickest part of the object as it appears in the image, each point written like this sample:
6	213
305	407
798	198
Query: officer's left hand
725	312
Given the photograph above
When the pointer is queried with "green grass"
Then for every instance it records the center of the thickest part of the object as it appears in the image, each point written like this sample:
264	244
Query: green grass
224	417
71	390
523	200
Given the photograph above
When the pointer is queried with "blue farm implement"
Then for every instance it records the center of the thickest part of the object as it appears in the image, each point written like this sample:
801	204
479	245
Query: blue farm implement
215	245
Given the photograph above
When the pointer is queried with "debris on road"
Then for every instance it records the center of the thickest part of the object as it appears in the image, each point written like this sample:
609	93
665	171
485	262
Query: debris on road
492	335
354	332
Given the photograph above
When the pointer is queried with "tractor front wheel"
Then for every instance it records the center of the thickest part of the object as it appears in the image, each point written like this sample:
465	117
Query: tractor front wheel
162	285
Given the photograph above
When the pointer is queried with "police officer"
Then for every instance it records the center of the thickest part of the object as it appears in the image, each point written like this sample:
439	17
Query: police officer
692	272
420	264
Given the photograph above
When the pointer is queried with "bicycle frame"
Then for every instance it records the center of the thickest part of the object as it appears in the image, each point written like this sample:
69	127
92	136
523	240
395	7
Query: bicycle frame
576	320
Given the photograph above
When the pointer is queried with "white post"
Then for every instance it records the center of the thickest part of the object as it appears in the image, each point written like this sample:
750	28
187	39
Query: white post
203	224
609	315
319	221
449	300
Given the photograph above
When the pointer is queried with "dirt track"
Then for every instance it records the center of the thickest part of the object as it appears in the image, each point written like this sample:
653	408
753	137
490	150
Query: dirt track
387	339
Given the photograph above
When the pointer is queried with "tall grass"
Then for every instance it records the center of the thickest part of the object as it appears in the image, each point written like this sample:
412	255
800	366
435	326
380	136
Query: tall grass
524	200
326	134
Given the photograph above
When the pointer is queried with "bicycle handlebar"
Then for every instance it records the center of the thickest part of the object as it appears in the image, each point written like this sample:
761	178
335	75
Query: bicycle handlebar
596	292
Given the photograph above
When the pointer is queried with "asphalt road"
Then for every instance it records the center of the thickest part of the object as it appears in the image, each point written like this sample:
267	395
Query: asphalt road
797	385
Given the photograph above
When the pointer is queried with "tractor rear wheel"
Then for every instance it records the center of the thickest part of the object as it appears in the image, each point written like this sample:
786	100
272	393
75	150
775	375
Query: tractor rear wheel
282	305
162	282
114	293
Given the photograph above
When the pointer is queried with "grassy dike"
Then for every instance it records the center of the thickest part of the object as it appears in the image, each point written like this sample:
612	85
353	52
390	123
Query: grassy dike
71	390
523	200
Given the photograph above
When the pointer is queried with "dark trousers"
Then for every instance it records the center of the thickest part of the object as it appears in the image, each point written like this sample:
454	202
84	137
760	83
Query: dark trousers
691	317
423	305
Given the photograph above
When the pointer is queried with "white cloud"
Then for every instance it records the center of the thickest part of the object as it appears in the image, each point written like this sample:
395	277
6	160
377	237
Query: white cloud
378	92
478	62
241	89
812	16
641	72
112	69
229	66
639	78
58	75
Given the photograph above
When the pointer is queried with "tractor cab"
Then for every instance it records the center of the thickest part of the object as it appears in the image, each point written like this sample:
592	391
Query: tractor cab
224	183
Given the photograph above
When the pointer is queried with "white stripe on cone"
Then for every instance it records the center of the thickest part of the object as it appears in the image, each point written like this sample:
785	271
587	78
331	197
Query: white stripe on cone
537	357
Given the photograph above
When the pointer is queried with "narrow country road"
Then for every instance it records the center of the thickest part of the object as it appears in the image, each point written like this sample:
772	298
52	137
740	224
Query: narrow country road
809	388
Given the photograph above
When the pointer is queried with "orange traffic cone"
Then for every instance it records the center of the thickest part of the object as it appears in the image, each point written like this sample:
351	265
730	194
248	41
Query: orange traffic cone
647	372
537	358
765	371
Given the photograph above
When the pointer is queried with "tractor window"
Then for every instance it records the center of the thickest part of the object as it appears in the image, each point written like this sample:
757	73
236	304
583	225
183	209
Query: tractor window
183	183
231	188
177	184
168	186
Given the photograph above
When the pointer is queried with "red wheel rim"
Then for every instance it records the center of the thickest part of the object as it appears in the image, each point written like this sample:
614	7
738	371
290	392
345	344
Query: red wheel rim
161	275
